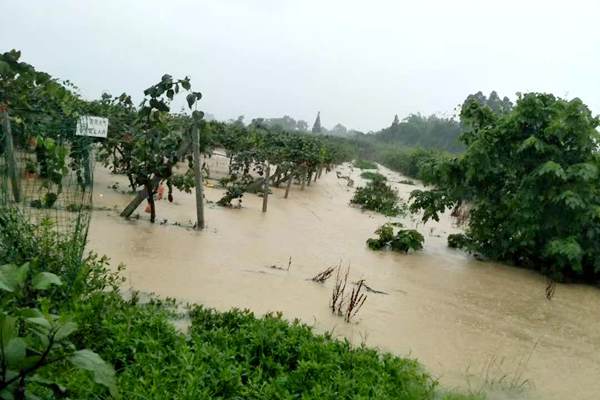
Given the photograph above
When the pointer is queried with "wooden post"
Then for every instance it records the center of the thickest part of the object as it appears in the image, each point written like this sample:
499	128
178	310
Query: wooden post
266	188
289	184
9	151
198	178
308	178
303	177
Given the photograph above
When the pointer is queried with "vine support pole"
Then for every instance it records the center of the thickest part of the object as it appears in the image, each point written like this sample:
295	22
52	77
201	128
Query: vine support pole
266	188
289	184
198	178
9	151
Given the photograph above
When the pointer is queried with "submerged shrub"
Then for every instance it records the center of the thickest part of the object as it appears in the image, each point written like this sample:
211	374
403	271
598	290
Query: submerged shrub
380	197
403	240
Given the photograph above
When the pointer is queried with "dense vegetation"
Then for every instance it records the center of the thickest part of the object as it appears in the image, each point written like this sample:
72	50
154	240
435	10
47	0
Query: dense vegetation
221	356
531	178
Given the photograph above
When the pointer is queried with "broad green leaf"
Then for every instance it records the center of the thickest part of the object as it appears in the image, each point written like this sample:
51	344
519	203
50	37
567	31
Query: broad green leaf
7	329
14	353
65	330
11	276
44	280
41	321
103	373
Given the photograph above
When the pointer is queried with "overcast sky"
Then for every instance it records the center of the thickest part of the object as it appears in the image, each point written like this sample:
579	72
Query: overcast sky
358	62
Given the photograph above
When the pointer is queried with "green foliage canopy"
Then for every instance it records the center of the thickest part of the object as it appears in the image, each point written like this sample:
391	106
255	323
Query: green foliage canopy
532	177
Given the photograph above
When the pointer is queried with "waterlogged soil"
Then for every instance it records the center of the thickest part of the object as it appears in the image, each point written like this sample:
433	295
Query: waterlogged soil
475	325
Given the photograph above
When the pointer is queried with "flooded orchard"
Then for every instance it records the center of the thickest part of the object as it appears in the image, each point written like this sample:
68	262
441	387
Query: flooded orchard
474	324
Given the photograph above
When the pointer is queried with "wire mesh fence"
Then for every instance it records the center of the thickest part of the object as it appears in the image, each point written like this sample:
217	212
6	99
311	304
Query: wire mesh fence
48	180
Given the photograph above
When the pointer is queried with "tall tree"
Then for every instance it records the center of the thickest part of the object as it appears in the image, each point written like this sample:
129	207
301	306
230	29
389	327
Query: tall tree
396	121
317	125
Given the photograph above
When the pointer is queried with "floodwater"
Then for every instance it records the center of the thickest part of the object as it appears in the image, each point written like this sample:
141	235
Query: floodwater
474	325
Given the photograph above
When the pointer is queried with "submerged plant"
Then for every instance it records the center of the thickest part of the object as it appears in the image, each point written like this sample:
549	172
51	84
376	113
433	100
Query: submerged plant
341	304
403	240
380	197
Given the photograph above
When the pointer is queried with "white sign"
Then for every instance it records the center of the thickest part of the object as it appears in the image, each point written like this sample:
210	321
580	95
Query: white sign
92	126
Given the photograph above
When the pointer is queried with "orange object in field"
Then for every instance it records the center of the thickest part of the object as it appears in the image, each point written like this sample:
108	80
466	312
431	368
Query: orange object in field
160	191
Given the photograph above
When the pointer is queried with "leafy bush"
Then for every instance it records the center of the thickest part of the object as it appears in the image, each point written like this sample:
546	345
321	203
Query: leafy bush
403	241
31	341
532	177
377	196
364	164
373	176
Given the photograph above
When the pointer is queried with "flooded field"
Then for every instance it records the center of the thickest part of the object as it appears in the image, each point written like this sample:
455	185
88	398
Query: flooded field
473	324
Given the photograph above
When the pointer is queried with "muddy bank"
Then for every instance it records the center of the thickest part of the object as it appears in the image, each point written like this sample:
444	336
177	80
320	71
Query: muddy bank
469	322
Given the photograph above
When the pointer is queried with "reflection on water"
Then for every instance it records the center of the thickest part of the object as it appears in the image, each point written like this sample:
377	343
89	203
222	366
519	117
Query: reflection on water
471	323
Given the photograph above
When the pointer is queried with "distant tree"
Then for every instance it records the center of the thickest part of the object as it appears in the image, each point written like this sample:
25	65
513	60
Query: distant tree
339	130
302	126
493	101
317	125
396	121
239	121
430	132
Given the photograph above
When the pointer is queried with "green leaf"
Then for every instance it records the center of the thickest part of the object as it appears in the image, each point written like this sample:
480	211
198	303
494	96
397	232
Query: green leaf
7	329
14	353
12	277
40	321
191	99
65	330
186	84
103	373
43	280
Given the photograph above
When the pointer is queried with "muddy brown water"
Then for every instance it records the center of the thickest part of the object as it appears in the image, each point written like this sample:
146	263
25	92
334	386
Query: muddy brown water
474	325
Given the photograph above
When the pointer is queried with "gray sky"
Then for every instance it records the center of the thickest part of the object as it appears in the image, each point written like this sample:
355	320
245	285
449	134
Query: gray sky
358	62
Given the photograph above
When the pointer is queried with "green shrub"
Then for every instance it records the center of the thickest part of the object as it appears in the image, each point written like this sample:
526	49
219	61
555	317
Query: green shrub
403	240
364	164
380	197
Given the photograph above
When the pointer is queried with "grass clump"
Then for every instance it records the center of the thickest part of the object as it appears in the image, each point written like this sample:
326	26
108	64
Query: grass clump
403	240
380	197
364	164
